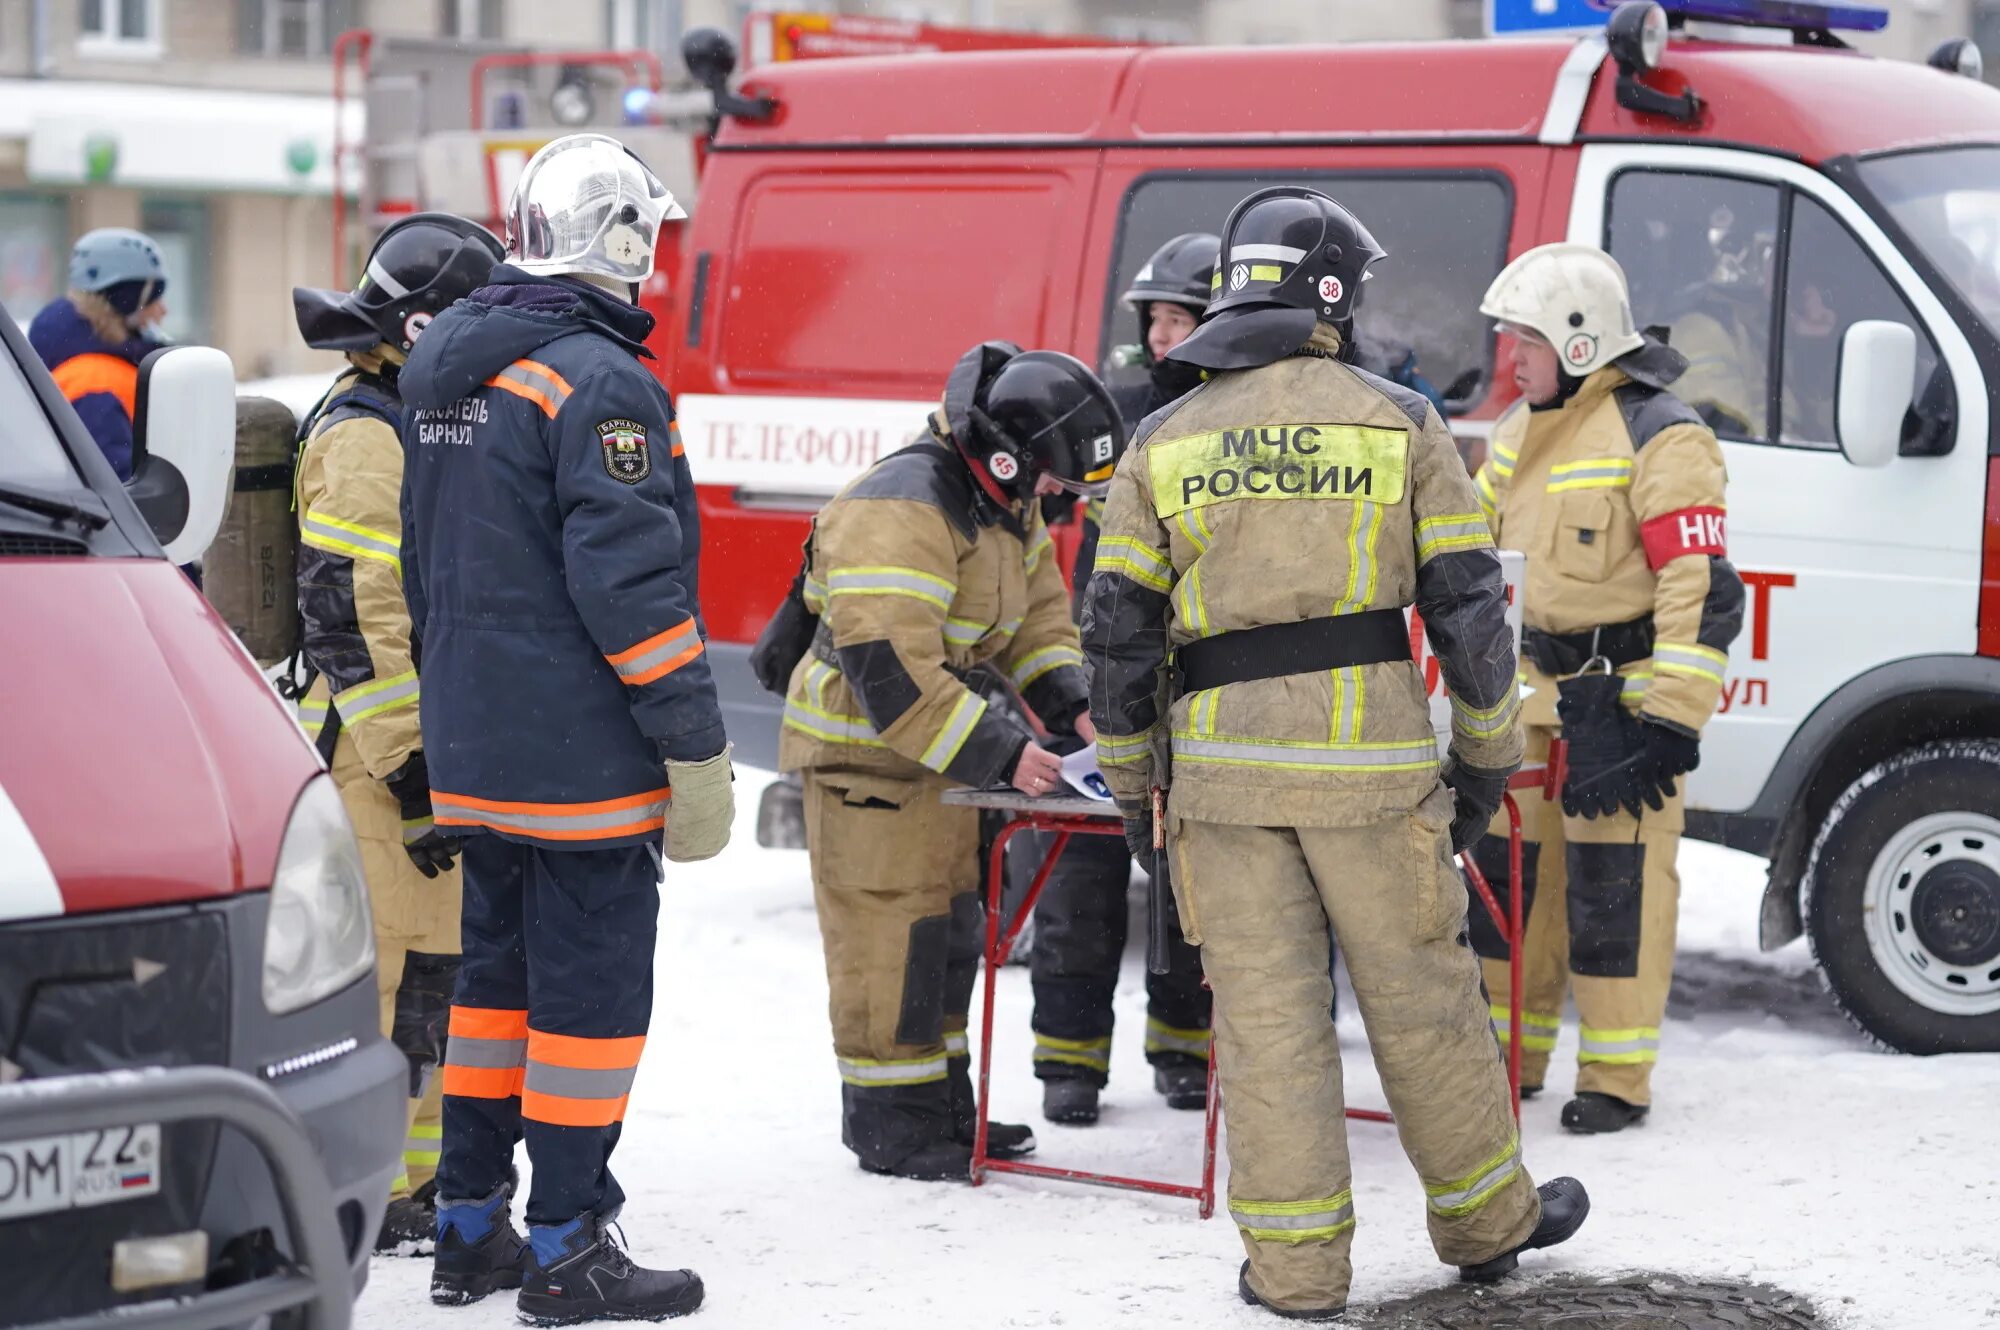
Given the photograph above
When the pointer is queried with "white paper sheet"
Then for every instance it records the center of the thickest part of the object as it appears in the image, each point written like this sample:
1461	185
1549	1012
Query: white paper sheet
1081	771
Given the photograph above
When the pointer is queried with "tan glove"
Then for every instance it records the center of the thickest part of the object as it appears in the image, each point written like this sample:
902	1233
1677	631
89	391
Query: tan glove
702	810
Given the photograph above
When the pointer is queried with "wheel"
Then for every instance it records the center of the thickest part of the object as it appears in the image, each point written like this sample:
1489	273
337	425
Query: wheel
1902	899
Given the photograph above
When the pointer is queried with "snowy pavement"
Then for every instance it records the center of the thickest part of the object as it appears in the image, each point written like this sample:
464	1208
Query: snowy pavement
1782	1149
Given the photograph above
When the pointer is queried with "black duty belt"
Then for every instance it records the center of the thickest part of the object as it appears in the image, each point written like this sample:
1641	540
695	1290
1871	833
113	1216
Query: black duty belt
1333	643
1567	653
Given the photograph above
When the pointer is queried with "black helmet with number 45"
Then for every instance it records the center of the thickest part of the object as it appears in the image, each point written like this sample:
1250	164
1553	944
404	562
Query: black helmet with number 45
420	264
1021	415
1291	258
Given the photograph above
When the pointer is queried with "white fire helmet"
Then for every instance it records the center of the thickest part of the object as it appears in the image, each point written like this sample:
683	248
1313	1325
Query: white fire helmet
1573	297
586	204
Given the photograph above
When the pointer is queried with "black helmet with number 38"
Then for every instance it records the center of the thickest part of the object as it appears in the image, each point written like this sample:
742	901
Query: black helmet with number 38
1291	258
420	264
1021	415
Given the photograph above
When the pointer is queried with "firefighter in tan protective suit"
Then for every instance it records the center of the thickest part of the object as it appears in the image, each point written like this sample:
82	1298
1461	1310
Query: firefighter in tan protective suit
361	710
1262	538
930	570
1614	489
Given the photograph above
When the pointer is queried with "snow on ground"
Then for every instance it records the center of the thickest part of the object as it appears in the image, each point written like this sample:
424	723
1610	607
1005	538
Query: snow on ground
1782	1148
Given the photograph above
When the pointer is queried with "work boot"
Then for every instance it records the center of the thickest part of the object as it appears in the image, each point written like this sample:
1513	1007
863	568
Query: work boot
1530	1091
1004	1140
1593	1114
1183	1086
1070	1101
1565	1205
942	1161
409	1225
478	1251
577	1273
1249	1295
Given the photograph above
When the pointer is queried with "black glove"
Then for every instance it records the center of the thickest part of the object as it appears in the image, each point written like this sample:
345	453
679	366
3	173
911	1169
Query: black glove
429	849
1138	832
1607	748
1670	754
1477	794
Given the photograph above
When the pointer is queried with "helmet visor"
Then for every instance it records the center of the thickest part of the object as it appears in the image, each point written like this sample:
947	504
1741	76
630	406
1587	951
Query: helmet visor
1094	486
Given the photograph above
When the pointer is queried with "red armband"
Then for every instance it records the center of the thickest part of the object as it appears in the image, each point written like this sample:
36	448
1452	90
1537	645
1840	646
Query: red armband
1681	532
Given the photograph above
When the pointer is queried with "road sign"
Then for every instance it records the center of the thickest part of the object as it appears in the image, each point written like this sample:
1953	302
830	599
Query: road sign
1515	18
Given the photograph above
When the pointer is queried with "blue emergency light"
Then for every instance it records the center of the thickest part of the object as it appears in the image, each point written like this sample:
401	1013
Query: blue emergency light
1792	14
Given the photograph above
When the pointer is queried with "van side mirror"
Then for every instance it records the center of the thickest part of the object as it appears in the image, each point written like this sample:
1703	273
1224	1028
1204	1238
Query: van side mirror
1878	365
183	444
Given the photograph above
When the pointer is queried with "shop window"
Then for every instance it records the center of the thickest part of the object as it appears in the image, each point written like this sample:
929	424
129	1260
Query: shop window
293	29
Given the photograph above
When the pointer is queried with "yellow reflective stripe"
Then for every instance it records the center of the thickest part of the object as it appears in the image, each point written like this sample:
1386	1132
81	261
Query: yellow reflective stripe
1117	750
1202	714
1630	1047
1294	1221
1187	593
339	536
1302	755
815	595
1033	557
1092	1053
1592	473
1164	1038
880	1074
957	729
1362	532
1538	1029
1636	684
1190	523
964	632
1504	459
1460	531
892	581
820	723
363	700
312	715
1135	560
1045	660
1478	724
1461	1196
1489	500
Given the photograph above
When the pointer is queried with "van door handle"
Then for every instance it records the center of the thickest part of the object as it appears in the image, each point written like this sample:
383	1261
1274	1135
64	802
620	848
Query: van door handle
699	300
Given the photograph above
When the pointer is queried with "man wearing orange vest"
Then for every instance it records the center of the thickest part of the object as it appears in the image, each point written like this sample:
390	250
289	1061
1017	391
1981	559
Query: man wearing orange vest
93	339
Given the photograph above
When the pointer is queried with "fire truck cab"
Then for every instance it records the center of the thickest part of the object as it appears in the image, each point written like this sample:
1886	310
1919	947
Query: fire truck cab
1819	231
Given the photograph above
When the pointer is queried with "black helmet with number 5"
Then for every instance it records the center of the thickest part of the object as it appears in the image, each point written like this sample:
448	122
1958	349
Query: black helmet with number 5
1035	413
1291	258
419	265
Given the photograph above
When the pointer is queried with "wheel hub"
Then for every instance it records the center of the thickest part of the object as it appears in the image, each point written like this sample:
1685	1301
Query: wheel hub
1955	910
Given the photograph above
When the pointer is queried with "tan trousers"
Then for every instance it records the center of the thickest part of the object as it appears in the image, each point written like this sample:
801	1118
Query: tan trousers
1603	898
1259	901
413	913
887	861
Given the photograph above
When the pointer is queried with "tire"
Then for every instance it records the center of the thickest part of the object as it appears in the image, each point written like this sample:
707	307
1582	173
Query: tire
1902	899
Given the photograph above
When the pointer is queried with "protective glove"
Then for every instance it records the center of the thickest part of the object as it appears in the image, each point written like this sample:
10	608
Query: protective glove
703	808
1138	831
429	849
1670	754
1477	794
1607	747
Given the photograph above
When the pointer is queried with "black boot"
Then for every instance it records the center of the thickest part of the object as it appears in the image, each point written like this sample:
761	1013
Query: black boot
579	1274
478	1251
1530	1091
942	1161
1069	1100
409	1225
1565	1205
1183	1085
1244	1291
904	1131
1593	1114
1004	1140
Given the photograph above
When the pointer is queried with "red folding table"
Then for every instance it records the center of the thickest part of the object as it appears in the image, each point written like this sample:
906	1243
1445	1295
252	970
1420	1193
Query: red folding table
1072	815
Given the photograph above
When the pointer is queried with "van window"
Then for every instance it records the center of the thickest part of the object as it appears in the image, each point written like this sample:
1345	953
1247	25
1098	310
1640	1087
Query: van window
1706	256
1446	236
30	452
1700	253
818	291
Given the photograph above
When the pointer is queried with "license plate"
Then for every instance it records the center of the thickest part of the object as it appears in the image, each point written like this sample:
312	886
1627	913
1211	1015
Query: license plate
83	1168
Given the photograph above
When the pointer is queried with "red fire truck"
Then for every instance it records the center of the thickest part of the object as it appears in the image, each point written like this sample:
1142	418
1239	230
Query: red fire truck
1834	218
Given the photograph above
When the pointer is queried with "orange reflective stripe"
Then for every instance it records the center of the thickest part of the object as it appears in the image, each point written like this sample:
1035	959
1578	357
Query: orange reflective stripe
604	820
659	655
562	1111
489	1023
96	372
537	367
674	437
523	390
482	1082
568	1050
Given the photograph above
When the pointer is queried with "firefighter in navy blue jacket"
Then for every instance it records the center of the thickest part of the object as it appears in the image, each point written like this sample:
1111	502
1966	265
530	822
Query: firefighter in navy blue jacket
549	552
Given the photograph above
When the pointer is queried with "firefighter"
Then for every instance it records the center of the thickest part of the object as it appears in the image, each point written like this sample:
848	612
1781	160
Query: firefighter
550	550
355	636
1615	489
1080	922
934	566
93	338
1245	633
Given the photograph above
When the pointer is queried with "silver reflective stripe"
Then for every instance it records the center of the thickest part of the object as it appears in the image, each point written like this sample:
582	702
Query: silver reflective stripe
617	817
383	278
964	632
580	1082
1292	1223
366	699
416	829
1481	1188
826	725
862	582
952	737
1485	724
955	1045
1606	471
540	382
1277	253
1163	1039
1313	755
682	638
1607	1046
346	535
863	1073
463	1051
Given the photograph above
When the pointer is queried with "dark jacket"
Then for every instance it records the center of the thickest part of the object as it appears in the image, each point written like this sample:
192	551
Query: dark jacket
99	377
550	543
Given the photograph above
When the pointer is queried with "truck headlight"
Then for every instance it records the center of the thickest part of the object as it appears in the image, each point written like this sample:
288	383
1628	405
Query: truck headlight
320	937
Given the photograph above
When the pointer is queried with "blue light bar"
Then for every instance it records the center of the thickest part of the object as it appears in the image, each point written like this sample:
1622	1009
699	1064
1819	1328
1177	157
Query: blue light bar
1774	13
